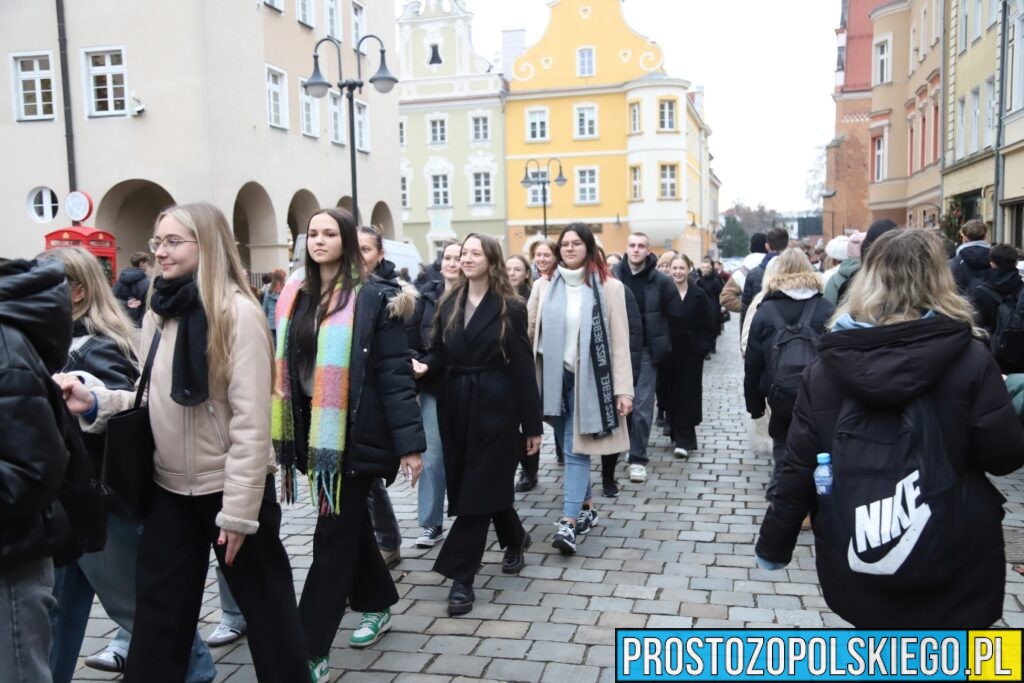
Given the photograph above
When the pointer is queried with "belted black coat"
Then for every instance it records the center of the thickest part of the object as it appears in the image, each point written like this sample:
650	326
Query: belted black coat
486	401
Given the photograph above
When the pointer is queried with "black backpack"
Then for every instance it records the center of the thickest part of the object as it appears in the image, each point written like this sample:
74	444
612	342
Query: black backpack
793	347
1007	342
895	517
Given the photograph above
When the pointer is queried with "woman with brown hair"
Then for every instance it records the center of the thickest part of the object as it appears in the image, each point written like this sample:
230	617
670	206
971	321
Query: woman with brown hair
544	254
277	278
487	401
519	275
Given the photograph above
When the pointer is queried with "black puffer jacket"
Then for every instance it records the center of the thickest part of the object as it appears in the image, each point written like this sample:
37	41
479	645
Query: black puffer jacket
969	263
636	334
654	293
419	328
885	368
133	283
998	285
35	333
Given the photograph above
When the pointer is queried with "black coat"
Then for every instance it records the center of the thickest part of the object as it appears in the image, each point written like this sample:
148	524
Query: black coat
755	280
419	329
132	283
486	402
654	292
757	381
885	368
986	298
636	334
970	263
692	335
35	333
712	286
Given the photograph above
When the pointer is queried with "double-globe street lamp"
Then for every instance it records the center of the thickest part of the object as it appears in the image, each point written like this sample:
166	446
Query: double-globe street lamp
543	179
318	86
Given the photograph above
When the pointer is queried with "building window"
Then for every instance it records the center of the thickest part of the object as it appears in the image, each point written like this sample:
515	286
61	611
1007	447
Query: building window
961	126
923	159
310	112
990	111
106	83
482	188
586	121
405	192
975	118
337	120
964	20
937	26
636	189
535	194
979	18
304	12
585	62
935	132
883	62
924	31
1015	58
666	114
276	4
537	124
401	133
435	55
34	81
481	129
993	11
913	49
42	204
910	147
331	18
362	127
438	132
586	186
439	196
277	98
358	23
669	186
634	117
878	145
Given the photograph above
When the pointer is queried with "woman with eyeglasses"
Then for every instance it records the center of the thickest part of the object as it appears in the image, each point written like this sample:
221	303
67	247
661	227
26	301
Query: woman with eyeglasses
209	409
580	338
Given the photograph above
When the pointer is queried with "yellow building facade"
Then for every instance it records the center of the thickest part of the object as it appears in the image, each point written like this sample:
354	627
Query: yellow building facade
591	99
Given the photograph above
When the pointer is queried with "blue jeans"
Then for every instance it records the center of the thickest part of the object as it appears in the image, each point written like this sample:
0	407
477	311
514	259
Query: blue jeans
576	482
26	598
230	612
432	483
643	409
111	574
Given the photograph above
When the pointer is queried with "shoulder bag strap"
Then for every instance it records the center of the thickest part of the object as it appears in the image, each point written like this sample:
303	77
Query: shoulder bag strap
147	369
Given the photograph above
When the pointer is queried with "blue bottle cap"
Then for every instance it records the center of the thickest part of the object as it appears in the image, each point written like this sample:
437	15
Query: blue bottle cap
824	458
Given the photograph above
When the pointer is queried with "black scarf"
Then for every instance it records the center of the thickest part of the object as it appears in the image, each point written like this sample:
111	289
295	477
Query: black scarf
179	298
601	361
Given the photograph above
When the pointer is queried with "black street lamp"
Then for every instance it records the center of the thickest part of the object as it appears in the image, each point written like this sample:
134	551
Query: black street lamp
318	86
544	181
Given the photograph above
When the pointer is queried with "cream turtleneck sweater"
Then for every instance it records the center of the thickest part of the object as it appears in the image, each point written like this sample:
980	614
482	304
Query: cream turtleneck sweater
573	305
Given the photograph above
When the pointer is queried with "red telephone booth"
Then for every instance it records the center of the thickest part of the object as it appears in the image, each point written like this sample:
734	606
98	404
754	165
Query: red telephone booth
99	243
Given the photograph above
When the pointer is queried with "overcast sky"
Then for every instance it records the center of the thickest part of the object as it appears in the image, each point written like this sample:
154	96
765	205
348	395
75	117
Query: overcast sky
768	71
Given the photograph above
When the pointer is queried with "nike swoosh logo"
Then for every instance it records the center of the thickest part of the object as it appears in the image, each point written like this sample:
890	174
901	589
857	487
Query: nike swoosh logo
894	559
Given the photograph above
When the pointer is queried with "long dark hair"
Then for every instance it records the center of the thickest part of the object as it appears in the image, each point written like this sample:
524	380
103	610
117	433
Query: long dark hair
351	272
592	262
497	283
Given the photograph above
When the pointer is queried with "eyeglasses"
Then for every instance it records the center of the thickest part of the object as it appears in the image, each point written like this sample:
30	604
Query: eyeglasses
572	245
169	244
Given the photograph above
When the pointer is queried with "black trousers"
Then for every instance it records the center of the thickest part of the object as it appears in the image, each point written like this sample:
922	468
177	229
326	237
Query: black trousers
382	514
462	551
346	565
608	463
529	463
174	556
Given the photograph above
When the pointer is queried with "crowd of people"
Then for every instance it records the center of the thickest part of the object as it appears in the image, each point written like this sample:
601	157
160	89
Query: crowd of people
877	363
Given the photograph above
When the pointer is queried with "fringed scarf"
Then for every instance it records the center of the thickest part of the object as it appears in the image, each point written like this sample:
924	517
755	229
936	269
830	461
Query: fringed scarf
329	407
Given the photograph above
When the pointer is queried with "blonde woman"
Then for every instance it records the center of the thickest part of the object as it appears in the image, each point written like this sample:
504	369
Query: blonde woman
209	408
903	350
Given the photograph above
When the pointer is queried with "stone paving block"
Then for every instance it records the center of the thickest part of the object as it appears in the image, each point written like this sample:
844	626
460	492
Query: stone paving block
551	632
502	629
503	647
365	677
513	671
732	598
622	620
574	616
546	651
611	604
787	602
403	661
801	618
751	614
451	645
460	665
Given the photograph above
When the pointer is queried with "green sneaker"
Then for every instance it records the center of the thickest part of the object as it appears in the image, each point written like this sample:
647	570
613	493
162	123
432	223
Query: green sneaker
371	628
319	670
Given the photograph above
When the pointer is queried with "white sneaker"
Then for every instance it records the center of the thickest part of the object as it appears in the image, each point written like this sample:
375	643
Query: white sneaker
637	473
107	660
224	635
681	453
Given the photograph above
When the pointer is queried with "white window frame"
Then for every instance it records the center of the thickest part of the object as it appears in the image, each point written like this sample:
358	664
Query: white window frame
50	202
588	193
665	182
36	76
282	92
1017	97
636	183
404	191
991	112
440	191
309	112
636	123
363	138
276	4
581	65
912	49
485	127
881	65
924	31
975	125
401	133
584	133
675	115
881	154
305	12
332	18
336	108
965	23
546	122
358	23
437	127
979	19
483	188
961	127
110	72
534	194
993	12
937	27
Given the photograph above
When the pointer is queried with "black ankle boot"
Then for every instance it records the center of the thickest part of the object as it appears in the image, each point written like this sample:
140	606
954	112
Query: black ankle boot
515	559
527	482
460	598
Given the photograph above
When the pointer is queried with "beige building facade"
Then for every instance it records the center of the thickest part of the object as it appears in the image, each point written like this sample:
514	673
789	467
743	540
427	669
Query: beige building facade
1011	195
187	101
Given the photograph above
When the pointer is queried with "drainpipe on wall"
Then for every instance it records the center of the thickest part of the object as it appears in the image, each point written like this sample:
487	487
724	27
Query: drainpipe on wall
69	133
998	191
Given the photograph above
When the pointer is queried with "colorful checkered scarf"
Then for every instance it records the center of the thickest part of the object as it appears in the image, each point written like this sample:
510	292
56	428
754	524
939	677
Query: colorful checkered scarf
329	407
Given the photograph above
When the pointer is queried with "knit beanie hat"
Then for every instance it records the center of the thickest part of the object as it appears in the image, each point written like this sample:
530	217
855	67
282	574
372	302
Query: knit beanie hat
837	248
759	243
853	247
877	229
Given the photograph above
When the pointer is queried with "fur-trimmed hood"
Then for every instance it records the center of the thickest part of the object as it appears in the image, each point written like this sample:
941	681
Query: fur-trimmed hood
403	304
774	282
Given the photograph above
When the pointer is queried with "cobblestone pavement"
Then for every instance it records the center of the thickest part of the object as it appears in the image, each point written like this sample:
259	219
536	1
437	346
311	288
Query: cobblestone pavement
674	552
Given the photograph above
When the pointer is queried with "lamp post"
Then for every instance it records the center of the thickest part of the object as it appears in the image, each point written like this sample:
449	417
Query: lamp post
318	86
544	182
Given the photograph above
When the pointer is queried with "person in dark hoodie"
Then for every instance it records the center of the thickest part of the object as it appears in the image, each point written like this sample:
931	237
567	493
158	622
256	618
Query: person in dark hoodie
778	240
35	335
711	284
902	334
132	286
1002	281
970	265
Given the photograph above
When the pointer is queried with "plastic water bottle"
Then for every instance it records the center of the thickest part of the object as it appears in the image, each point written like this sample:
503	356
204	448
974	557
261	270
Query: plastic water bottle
823	475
